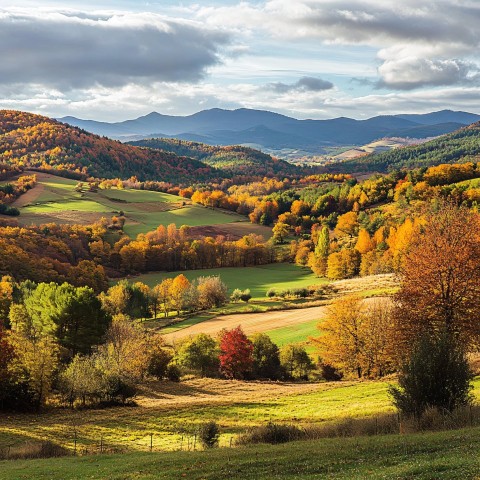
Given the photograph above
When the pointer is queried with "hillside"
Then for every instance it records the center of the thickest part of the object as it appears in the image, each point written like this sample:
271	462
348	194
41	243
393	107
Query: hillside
235	159
457	147
34	141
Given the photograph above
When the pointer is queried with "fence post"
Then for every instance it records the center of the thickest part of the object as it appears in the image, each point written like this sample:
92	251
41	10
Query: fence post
151	442
101	444
75	443
194	442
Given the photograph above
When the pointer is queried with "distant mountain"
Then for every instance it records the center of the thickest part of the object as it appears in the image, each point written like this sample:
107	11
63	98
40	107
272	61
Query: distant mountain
274	131
458	147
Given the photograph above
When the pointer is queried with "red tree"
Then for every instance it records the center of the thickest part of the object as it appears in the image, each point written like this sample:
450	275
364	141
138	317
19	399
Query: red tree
236	357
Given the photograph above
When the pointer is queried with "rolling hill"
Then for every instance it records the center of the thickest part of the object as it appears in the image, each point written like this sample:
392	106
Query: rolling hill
37	142
235	159
460	146
274	131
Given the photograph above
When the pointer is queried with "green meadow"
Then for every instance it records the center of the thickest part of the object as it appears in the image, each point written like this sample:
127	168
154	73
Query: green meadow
432	456
54	199
259	280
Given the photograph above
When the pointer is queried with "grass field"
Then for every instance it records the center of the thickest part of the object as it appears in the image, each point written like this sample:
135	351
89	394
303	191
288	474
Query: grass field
171	411
54	199
295	334
444	455
258	279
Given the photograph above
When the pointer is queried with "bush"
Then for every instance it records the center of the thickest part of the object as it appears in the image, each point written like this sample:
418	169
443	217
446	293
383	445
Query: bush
245	296
271	433
271	292
30	450
300	292
208	434
437	375
330	373
159	361
173	373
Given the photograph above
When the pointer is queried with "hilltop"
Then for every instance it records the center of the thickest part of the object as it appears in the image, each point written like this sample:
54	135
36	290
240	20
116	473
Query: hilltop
235	159
34	141
460	146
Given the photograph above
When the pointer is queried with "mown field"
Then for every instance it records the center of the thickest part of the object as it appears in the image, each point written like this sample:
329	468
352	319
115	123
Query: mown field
54	199
444	455
172	412
259	279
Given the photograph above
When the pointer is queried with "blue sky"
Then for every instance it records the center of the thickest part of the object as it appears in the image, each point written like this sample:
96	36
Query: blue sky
305	58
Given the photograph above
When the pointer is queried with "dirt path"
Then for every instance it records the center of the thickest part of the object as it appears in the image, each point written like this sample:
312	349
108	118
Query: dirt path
251	322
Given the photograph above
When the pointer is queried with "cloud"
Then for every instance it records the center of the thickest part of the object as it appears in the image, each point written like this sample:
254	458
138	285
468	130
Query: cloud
429	40
413	72
69	50
306	84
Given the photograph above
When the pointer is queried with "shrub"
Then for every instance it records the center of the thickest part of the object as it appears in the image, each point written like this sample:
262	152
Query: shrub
236	295
173	373
271	292
300	292
271	433
436	375
208	434
245	296
330	373
30	450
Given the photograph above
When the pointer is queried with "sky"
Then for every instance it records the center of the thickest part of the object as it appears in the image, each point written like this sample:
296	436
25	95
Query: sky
115	60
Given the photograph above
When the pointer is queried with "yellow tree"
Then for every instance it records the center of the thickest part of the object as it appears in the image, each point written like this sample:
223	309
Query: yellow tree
178	289
163	296
364	242
347	225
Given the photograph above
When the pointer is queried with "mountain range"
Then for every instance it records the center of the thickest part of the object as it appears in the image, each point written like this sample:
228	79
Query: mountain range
269	130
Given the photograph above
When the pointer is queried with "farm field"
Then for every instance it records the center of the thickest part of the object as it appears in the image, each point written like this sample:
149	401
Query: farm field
291	322
258	279
54	199
447	455
172	411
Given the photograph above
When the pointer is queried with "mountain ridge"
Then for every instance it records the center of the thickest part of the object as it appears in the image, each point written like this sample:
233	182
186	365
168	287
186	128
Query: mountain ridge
242	126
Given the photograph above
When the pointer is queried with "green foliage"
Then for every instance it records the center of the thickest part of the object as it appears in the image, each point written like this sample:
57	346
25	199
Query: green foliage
436	375
266	359
295	361
200	354
208	434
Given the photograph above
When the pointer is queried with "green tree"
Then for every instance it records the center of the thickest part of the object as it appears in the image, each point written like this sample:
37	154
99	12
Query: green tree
200	354
266	357
296	361
436	374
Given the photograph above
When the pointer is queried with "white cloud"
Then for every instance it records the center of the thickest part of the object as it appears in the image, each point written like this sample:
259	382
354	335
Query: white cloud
71	50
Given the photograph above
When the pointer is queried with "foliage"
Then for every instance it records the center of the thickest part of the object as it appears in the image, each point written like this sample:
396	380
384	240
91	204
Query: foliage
208	434
199	354
356	338
266	358
436	375
441	278
295	361
236	354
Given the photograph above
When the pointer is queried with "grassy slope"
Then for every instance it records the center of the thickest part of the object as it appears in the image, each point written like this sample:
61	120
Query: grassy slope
258	279
169	411
143	209
445	455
